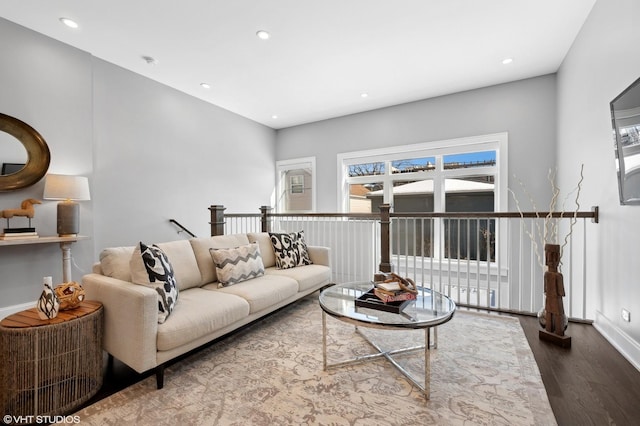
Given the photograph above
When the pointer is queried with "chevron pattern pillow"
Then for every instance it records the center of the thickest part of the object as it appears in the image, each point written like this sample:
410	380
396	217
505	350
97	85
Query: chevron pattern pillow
238	264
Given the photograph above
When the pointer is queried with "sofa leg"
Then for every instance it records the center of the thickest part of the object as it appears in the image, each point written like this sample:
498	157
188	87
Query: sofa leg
160	376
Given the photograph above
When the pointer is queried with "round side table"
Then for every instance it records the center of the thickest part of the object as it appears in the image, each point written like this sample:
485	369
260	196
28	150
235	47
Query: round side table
53	366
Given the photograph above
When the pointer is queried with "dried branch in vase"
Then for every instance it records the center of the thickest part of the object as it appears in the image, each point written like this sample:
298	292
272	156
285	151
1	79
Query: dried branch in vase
547	233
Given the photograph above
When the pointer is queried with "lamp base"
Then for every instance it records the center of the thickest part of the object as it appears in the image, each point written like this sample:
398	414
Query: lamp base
68	219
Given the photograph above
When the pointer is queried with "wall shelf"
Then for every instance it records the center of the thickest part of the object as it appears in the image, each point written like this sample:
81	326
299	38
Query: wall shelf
42	240
65	246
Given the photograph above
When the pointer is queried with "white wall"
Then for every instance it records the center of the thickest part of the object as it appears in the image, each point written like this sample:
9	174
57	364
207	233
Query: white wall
151	153
525	109
602	62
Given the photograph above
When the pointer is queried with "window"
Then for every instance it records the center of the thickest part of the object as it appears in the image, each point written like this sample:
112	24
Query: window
296	185
459	175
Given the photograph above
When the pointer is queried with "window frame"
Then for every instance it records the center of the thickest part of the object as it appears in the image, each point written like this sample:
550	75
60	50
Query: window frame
491	142
282	166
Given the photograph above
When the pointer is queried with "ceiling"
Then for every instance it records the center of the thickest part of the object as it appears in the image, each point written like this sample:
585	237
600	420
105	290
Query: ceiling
322	55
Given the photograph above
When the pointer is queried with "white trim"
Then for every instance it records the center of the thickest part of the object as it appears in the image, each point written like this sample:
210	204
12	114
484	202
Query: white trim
297	163
441	147
9	310
629	348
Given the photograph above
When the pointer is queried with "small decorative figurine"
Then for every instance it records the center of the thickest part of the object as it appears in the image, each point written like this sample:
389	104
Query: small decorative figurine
26	210
48	303
69	294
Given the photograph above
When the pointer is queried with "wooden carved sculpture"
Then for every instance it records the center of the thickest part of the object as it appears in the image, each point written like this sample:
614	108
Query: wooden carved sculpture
555	320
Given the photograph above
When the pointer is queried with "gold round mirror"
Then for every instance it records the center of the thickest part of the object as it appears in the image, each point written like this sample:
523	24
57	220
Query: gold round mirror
38	155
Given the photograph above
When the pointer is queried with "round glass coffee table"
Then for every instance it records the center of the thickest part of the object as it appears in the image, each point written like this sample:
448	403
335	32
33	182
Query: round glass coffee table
429	310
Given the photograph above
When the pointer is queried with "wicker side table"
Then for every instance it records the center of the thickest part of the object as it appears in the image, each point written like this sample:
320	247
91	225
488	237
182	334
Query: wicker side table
50	367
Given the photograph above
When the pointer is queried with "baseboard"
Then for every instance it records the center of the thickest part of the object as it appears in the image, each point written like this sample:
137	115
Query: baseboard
8	310
628	347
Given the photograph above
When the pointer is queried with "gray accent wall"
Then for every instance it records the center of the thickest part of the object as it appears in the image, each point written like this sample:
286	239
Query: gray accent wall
525	109
602	62
151	154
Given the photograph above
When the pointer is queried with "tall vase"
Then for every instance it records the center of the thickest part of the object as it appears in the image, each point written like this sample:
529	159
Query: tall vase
48	304
552	317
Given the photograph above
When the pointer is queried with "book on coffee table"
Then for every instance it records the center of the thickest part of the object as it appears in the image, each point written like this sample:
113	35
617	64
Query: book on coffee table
397	297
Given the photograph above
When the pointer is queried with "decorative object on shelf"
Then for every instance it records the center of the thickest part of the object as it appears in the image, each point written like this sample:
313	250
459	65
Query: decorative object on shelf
69	294
68	189
48	304
26	210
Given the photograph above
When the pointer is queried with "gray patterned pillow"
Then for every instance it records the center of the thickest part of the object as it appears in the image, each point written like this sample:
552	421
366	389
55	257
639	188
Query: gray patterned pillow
151	267
237	264
290	250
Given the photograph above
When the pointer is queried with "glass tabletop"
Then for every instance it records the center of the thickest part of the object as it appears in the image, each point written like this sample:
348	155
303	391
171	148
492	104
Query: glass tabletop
428	310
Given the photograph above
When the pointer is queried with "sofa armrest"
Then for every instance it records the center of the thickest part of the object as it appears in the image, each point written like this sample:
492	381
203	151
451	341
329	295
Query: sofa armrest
130	319
320	255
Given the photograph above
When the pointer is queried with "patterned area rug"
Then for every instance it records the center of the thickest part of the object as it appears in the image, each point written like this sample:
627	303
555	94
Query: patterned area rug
482	373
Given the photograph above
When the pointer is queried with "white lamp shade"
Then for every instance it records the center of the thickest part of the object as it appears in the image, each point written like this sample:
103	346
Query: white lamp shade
65	187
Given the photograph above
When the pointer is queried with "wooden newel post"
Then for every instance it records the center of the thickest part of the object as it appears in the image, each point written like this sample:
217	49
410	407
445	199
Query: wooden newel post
217	220
385	249
264	211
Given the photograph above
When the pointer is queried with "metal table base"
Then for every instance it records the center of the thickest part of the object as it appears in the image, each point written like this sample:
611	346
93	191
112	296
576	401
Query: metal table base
426	388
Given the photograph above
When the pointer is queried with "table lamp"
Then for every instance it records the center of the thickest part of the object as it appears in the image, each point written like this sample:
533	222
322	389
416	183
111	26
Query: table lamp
69	189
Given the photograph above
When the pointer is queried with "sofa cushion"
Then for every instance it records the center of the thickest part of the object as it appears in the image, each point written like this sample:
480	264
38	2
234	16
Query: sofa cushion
183	260
308	276
114	262
290	249
201	248
150	267
237	264
266	248
199	313
261	292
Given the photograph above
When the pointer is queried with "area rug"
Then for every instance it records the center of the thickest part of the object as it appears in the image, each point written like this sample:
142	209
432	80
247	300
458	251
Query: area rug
482	373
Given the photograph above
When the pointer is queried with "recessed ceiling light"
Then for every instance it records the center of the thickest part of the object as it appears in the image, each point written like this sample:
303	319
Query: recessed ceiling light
263	35
69	22
275	117
150	60
507	61
364	95
205	86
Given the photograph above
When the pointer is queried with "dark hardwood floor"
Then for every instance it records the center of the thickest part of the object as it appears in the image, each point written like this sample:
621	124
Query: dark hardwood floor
588	384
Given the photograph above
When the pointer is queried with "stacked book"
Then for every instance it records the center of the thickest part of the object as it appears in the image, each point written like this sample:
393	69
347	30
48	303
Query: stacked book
18	233
392	292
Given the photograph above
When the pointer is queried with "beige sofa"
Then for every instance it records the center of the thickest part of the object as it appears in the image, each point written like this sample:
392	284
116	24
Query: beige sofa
203	311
